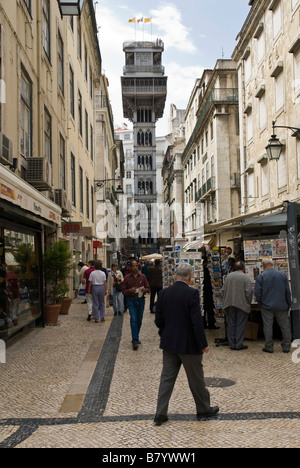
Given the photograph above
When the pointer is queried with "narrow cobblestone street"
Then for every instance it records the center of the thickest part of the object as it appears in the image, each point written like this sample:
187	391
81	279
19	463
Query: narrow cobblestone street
79	384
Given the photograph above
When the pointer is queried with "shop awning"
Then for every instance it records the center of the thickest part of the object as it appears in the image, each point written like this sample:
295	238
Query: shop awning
21	195
197	244
154	256
238	221
278	219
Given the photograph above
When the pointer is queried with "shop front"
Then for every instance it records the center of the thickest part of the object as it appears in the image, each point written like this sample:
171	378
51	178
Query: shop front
273	234
26	219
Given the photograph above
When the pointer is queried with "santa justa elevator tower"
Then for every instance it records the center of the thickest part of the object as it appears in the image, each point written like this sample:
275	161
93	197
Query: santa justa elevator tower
144	92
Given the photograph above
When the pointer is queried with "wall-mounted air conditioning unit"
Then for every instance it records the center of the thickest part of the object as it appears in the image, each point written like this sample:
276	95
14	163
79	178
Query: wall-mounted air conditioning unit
6	150
61	199
38	173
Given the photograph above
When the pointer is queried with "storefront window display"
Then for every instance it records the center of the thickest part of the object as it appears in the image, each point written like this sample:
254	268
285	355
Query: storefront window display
20	280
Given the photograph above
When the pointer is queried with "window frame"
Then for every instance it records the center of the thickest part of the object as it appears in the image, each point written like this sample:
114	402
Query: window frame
26	106
61	65
47	135
46	27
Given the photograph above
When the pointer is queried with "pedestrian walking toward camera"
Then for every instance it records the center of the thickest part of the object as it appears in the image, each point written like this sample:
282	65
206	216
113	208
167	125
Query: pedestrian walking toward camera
237	297
88	296
135	286
183	341
273	294
98	287
155	281
114	285
126	271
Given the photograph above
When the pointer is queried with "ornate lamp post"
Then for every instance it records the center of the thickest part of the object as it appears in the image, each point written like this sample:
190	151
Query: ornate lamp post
274	147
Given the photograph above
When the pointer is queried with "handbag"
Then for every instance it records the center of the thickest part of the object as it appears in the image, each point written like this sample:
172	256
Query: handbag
81	291
117	285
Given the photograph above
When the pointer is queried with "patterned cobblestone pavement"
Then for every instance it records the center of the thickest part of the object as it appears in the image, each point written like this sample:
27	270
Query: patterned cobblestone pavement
79	384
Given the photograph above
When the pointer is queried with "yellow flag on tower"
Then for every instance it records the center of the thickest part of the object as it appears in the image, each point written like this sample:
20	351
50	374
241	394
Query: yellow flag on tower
147	20
131	20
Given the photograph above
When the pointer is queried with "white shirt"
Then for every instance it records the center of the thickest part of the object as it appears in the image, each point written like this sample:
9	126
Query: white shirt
97	277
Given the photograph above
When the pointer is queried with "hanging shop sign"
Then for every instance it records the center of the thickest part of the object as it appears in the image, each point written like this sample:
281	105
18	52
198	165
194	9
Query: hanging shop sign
71	228
97	245
87	232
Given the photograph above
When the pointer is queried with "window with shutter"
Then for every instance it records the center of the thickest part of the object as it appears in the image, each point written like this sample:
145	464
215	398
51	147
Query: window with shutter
282	175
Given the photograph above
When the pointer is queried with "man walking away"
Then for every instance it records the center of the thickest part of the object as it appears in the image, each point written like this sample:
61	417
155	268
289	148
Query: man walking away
97	285
183	340
273	294
155	281
134	287
237	296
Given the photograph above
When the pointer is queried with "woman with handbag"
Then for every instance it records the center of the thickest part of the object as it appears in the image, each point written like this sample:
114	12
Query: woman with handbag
115	280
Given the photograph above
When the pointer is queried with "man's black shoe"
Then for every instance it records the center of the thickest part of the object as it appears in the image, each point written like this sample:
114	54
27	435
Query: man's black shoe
159	420
241	349
213	411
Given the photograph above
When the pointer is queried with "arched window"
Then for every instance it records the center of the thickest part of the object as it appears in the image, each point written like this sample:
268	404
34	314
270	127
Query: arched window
150	162
141	187
141	138
149	187
148	138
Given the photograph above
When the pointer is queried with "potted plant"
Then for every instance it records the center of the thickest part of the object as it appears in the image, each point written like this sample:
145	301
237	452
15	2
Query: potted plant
63	299
57	262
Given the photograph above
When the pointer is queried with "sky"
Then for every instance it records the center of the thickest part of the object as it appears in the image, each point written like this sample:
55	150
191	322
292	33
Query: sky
196	33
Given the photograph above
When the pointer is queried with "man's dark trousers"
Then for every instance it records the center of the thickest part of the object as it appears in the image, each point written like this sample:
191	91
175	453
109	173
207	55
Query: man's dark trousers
192	364
154	291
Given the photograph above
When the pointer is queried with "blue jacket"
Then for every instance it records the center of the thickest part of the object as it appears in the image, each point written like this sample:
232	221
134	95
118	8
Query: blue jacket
272	290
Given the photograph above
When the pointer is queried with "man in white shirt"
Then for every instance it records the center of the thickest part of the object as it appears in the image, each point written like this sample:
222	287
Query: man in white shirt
98	286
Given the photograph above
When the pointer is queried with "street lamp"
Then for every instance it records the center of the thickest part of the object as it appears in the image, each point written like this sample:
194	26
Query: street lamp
101	184
274	147
119	192
70	7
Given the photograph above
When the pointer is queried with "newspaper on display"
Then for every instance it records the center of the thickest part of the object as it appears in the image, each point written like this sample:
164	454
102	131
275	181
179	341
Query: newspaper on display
255	250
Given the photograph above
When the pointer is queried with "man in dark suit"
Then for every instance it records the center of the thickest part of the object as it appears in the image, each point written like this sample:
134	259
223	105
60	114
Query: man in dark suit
183	340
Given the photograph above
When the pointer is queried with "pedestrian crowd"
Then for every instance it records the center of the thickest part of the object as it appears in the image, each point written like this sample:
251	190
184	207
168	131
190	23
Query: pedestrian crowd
181	323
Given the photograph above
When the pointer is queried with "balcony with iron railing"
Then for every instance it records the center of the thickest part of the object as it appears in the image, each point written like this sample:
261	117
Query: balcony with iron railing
154	89
158	44
217	96
206	189
157	69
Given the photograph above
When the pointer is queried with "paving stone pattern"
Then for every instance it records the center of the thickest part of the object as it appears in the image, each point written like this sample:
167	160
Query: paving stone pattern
80	384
